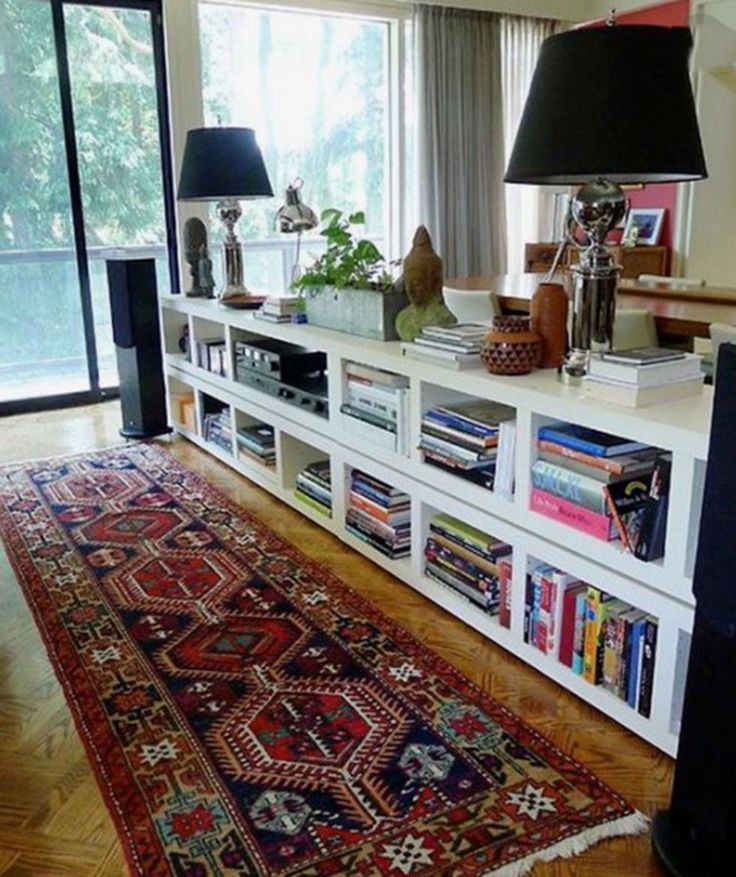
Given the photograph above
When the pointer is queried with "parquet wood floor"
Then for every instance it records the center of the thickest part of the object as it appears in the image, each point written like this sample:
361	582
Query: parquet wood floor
53	822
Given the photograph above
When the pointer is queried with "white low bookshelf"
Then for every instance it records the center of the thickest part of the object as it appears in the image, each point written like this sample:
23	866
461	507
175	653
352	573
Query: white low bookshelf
662	588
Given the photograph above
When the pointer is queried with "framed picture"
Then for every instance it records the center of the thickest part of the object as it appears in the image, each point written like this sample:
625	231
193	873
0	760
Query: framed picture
648	224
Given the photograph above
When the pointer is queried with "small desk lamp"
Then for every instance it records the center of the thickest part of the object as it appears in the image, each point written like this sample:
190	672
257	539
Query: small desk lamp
606	106
225	165
294	217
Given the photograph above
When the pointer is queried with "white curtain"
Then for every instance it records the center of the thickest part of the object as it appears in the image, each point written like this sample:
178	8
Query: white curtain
460	138
530	210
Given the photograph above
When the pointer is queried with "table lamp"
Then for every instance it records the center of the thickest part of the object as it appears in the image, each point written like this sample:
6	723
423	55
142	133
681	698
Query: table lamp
225	165
295	217
606	106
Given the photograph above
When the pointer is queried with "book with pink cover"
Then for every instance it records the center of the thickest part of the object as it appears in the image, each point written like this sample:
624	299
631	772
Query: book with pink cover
551	506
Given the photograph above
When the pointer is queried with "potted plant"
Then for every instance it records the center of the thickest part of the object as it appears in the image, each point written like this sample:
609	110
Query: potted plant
349	287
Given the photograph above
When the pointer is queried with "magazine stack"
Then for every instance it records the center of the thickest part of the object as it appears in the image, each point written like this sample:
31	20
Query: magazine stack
451	346
376	407
314	487
470	562
257	443
379	514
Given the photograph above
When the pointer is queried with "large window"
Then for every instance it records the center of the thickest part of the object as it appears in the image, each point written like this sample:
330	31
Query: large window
318	90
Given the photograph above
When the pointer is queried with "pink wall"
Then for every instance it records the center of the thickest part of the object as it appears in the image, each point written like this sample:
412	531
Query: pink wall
675	14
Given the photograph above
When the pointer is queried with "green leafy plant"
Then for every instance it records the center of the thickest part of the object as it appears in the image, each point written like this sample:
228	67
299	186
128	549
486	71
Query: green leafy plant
349	262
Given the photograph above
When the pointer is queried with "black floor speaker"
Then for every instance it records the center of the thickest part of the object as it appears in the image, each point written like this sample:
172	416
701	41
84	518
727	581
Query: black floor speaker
137	336
695	836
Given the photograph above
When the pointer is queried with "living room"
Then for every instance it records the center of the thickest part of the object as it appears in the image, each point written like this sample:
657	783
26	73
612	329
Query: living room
368	581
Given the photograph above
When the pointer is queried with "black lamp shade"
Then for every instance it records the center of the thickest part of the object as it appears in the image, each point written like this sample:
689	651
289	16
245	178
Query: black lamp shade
613	102
221	163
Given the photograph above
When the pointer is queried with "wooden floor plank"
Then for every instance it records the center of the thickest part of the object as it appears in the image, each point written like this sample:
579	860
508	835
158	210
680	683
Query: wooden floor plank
53	822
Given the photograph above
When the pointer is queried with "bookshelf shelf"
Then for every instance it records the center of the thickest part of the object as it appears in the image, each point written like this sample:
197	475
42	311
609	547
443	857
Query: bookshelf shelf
661	588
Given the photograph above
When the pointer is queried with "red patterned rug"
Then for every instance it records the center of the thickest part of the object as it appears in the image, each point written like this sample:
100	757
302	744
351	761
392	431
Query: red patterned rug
246	713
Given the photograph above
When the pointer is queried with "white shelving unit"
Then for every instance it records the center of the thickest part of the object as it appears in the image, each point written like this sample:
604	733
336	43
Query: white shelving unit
662	588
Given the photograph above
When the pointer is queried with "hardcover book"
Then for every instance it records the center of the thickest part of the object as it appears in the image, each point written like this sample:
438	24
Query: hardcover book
590	441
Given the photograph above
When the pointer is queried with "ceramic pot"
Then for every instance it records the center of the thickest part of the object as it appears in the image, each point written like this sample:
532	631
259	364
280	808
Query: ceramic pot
549	321
511	348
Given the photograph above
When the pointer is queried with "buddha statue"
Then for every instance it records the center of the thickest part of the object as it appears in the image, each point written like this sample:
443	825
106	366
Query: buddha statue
422	282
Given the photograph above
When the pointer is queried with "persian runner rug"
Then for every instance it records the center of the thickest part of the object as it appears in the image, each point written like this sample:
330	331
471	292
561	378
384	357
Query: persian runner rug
246	713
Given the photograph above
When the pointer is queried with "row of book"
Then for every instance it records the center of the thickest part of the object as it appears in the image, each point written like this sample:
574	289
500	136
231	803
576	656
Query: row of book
451	346
379	514
376	407
470	562
314	487
605	640
257	442
217	428
212	355
475	440
643	376
603	485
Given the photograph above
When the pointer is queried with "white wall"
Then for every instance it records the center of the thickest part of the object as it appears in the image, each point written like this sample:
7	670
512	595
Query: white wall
706	228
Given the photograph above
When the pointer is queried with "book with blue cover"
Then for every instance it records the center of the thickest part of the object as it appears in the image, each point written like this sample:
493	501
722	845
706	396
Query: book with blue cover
589	441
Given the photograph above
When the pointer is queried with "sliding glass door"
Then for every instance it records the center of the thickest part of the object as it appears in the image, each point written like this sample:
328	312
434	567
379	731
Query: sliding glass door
83	128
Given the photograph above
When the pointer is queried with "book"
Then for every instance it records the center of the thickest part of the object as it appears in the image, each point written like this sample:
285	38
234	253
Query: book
645	374
448	358
505	571
476	416
613	637
571	486
648	544
371	417
455	346
637	645
625	464
390	516
590	441
313	503
377	543
486	566
639	397
389	535
567	627
604	476
376	375
506	460
578	641
646	677
593	646
377	434
313	489
626	501
628	666
460	436
480	600
643	355
449	558
465	534
461	331
483	476
551	506
442	445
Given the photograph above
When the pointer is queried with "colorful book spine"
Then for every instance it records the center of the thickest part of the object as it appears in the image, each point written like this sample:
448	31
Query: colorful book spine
567	627
313	503
551	506
646	680
593	649
612	635
606	464
637	643
578	644
505	571
454	421
388	516
569	485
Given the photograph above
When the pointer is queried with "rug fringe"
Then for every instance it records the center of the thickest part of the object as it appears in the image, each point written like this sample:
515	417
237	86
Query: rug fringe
634	823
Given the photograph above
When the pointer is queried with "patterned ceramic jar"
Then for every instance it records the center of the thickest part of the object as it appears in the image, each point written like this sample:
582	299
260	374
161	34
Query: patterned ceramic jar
511	348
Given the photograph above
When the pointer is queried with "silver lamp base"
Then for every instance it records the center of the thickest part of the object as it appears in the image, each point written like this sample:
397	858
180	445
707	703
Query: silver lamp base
230	212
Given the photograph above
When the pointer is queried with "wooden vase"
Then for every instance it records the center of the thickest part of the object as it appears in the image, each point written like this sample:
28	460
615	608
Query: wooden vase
549	321
511	348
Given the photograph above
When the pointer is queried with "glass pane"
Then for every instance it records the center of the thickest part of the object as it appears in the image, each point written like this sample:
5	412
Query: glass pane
116	118
42	350
315	88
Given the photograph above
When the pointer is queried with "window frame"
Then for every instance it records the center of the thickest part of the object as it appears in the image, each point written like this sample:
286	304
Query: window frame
183	37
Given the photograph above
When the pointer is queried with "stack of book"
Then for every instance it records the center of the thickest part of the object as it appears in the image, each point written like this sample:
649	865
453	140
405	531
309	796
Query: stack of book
644	376
471	562
279	309
379	514
454	346
212	355
463	438
257	443
606	641
376	407
314	487
216	428
603	485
